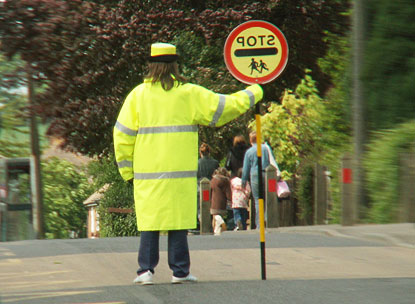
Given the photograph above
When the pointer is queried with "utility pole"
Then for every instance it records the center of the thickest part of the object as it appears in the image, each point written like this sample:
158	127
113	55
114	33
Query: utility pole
359	128
36	181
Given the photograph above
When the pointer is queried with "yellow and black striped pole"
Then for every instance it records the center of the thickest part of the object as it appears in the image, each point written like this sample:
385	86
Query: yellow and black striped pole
261	191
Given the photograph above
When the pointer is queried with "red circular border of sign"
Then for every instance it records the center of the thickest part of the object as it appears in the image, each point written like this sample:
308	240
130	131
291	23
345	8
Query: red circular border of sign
232	36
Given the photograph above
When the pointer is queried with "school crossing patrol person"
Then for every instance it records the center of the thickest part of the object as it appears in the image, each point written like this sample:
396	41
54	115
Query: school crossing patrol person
156	144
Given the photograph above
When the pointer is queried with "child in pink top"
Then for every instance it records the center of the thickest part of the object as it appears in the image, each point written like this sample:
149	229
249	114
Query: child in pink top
240	199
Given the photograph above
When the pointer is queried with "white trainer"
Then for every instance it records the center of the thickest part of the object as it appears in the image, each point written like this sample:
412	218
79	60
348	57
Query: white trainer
188	279
146	278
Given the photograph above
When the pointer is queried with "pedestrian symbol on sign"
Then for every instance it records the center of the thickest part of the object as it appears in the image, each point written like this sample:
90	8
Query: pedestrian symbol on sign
263	66
255	65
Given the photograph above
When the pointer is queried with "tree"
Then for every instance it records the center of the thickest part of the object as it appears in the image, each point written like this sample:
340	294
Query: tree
301	133
91	54
389	64
13	126
297	128
65	189
384	170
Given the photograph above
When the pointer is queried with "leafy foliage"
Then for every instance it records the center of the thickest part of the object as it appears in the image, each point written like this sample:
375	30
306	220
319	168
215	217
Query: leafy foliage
12	104
389	63
383	170
295	127
301	132
336	63
91	54
304	194
118	195
65	188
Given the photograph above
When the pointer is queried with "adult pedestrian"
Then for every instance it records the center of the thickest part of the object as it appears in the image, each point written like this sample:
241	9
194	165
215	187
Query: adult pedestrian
250	170
155	141
205	168
206	164
235	158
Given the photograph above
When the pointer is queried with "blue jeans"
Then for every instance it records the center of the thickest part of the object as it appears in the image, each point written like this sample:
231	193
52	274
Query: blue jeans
178	252
241	215
255	194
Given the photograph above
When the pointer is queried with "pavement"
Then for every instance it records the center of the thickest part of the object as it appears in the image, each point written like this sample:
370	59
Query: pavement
305	264
402	235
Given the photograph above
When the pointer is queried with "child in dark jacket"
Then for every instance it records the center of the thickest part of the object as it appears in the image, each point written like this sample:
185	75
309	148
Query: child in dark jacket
221	196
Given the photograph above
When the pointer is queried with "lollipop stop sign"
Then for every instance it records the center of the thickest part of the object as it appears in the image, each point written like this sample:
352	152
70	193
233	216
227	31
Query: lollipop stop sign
256	52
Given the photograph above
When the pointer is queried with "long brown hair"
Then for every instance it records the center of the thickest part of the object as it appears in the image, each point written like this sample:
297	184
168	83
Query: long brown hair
204	149
239	140
165	73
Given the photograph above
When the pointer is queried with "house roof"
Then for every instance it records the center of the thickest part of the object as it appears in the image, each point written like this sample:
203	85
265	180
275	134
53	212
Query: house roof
96	196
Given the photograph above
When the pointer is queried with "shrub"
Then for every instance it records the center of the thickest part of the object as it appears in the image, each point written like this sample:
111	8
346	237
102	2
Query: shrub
304	195
119	195
383	169
65	188
301	132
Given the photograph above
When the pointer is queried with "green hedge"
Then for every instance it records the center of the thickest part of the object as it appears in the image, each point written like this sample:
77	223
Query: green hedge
65	188
383	169
119	195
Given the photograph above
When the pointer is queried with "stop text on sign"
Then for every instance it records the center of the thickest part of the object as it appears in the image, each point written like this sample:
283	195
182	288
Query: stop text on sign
253	40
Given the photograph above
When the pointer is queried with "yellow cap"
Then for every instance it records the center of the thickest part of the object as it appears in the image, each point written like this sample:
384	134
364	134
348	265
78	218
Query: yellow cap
163	52
159	49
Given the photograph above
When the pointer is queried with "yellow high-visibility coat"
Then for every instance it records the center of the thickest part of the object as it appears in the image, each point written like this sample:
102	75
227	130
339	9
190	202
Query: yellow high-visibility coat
156	143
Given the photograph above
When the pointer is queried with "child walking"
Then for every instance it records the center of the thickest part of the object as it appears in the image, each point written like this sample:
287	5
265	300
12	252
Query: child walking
221	194
240	199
